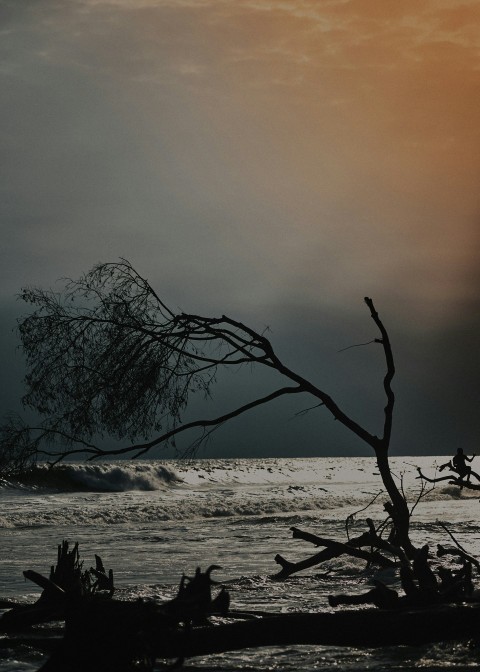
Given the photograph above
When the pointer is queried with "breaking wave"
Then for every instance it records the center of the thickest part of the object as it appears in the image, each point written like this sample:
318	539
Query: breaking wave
122	476
113	477
294	474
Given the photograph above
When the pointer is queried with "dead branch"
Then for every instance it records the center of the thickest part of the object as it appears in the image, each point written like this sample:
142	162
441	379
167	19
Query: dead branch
442	551
357	345
453	480
387	381
333	549
459	551
450	534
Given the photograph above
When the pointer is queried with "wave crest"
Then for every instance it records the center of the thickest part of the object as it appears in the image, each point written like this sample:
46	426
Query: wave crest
112	477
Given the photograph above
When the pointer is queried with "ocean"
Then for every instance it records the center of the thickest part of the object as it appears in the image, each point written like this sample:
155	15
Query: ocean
151	521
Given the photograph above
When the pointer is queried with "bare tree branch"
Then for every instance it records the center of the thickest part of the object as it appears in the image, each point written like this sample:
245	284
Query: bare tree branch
107	357
387	382
357	345
453	480
141	450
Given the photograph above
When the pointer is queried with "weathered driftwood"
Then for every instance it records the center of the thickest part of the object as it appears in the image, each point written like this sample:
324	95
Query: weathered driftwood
22	617
106	635
123	636
372	628
67	579
452	480
9	604
353	547
108	641
110	647
442	551
194	602
421	585
334	549
381	596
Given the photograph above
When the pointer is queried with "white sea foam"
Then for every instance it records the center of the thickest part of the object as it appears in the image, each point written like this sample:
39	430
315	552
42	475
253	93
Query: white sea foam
149	491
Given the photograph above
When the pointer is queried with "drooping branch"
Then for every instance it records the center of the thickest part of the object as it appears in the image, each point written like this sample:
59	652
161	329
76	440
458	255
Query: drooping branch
142	449
139	449
109	357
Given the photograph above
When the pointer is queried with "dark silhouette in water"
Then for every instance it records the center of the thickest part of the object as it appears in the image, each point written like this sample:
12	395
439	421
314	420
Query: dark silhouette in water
459	464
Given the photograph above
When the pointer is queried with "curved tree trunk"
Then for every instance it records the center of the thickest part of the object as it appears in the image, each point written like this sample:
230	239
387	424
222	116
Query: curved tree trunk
398	508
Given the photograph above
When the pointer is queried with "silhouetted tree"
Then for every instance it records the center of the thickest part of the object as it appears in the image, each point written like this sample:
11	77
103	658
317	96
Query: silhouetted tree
107	356
18	448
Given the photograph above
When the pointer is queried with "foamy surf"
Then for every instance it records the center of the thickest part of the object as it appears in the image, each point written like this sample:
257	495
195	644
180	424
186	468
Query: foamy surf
113	477
139	493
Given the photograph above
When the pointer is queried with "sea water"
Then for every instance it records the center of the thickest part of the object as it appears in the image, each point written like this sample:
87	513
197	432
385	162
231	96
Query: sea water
151	521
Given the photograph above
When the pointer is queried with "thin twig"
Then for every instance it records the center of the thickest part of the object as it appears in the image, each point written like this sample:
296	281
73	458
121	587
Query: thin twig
306	410
357	345
351	517
442	525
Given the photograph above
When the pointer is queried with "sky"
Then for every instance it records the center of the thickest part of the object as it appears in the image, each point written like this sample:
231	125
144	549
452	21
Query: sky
272	160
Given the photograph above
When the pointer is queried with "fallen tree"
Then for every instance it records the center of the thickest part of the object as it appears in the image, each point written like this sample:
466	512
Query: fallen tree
107	646
348	628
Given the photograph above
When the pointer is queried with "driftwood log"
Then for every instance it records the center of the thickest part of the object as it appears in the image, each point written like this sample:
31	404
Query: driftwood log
334	549
106	640
452	480
372	628
106	635
67	579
